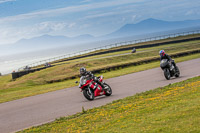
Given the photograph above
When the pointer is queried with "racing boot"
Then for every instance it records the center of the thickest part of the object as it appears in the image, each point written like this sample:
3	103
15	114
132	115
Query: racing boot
102	85
96	86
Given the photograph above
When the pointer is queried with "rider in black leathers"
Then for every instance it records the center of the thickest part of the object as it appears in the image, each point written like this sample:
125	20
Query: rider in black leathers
90	75
163	55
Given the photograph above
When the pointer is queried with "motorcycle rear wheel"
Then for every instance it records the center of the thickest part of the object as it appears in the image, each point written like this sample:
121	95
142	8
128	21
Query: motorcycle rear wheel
108	89
167	73
89	95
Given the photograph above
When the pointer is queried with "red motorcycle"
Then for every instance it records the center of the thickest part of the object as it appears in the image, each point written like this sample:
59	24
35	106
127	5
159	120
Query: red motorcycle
89	89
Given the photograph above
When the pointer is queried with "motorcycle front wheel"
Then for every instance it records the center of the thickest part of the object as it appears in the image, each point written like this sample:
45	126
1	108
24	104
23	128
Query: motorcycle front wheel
177	72
167	73
89	95
108	90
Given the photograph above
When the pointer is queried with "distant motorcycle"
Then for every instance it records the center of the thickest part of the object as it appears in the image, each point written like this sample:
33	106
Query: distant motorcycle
133	50
87	87
169	69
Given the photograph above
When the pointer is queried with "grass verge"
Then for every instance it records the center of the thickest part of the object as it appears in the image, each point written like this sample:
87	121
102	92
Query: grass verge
66	71
30	89
174	108
164	41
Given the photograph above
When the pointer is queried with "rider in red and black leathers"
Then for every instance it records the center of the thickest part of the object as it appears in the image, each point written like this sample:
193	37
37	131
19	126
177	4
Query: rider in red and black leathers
89	75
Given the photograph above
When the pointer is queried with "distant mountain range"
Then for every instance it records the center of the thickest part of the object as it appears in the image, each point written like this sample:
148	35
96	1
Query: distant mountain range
46	41
152	25
144	27
42	43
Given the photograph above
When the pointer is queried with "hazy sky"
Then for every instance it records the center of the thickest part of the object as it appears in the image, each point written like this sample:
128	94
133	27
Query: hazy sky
30	18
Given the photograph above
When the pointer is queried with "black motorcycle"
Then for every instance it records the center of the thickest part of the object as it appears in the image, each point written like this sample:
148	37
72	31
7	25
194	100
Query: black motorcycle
170	70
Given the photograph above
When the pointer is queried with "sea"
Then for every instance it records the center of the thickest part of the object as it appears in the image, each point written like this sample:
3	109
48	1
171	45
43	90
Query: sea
15	62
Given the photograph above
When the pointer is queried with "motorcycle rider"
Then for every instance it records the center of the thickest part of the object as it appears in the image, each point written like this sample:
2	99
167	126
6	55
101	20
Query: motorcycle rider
90	75
163	55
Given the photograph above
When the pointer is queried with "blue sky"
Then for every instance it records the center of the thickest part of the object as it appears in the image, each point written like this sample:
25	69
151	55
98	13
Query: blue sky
30	18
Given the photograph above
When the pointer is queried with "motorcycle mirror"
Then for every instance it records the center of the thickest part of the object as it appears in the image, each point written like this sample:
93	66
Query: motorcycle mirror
76	82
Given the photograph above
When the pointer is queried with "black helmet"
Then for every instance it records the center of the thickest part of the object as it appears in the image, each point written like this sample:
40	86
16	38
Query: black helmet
82	70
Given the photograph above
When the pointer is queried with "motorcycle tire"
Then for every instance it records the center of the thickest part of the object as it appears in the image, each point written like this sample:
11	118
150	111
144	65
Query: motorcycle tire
167	74
108	90
177	72
89	96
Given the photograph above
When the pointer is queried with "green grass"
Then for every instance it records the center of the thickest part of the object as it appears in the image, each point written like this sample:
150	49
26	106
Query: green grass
171	109
30	89
131	46
175	45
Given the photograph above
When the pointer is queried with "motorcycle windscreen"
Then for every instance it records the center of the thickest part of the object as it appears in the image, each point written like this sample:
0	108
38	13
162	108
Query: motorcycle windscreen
163	63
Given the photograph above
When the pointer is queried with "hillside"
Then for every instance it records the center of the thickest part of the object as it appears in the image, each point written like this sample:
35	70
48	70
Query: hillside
153	25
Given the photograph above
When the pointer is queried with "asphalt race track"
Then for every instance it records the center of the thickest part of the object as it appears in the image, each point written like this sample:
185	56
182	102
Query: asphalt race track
31	111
